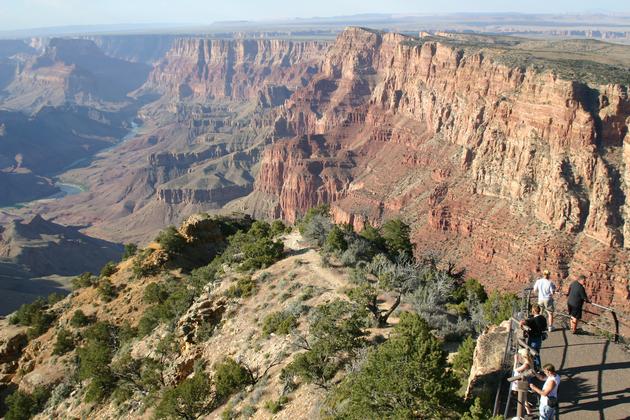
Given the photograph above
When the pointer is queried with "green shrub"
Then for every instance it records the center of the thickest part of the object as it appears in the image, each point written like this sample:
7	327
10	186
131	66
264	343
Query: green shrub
188	400
280	323
34	315
109	269
406	377
462	362
130	251
278	228
79	319
335	335
374	236
230	377
471	288
139	268
171	240
396	236
244	287
202	276
171	299
64	343
54	298
23	406
95	358
499	307
155	293
323	210
335	241
106	290
84	280
275	407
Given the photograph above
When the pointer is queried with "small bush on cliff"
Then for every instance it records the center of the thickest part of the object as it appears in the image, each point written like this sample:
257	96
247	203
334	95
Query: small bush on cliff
462	362
279	323
335	335
499	307
244	287
323	210
130	251
23	406
109	269
396	236
279	228
171	298
406	377
140	268
79	319
188	400
106	290
171	240
336	241
34	315
95	358
64	343
230	377
84	280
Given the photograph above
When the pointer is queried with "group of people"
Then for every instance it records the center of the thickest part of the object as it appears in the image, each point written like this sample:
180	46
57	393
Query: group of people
528	363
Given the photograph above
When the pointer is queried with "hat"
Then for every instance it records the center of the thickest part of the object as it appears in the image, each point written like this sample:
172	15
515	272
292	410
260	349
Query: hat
523	352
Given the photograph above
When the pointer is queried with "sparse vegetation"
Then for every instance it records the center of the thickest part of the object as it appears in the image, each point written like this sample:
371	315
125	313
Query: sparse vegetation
130	251
84	280
109	269
106	290
243	288
276	406
279	323
230	377
188	400
79	319
171	240
23	406
34	315
64	343
462	362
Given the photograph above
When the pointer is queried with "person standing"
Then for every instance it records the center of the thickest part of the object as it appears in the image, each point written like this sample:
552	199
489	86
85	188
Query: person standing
537	326
548	393
544	289
576	296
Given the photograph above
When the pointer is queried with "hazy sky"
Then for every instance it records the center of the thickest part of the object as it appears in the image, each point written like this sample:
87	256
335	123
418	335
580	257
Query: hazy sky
19	14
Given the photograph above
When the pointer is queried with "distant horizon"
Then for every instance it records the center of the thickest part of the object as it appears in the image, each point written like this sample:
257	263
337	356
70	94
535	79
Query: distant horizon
161	27
27	15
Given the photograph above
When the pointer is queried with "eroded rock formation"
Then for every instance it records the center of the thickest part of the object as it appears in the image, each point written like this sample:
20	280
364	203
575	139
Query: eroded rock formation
505	169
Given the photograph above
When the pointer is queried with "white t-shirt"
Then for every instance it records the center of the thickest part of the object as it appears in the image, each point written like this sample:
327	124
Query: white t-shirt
554	391
545	288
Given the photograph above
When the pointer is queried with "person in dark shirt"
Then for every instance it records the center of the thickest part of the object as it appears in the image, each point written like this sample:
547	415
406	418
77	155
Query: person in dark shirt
575	301
537	326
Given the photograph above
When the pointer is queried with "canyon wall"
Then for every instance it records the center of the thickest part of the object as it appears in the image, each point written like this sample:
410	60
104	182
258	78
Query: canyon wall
505	170
205	69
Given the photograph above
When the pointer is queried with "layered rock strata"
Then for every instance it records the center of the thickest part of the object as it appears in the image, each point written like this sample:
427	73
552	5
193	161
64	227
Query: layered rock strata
506	170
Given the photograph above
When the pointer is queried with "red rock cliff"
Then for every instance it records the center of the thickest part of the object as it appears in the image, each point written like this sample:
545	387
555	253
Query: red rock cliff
506	170
205	69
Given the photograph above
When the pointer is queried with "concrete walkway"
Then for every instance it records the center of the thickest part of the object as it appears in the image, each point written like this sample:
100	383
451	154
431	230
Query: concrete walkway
594	375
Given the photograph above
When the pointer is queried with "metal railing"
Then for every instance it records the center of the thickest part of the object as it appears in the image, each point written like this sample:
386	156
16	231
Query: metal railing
513	342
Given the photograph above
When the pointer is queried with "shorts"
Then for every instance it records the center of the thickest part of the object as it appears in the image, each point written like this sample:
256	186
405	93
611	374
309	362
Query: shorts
547	305
575	311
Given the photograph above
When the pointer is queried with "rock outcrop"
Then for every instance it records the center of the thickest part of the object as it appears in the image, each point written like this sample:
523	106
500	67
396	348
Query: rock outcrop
487	368
503	168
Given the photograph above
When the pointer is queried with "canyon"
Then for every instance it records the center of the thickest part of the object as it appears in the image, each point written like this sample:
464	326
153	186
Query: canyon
502	159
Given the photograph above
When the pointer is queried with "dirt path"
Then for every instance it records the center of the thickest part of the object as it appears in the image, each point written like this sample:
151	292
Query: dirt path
331	279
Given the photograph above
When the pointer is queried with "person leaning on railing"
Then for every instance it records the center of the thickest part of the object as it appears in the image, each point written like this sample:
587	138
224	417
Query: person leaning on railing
548	393
536	329
576	296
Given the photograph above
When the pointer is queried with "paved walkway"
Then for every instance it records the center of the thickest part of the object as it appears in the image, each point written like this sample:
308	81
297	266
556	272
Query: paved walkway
594	374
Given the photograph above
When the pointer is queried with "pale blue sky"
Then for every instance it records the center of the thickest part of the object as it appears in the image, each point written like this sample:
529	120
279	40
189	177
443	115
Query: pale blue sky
19	14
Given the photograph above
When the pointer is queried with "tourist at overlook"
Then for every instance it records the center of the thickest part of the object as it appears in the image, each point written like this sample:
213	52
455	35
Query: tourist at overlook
548	393
536	328
544	289
575	300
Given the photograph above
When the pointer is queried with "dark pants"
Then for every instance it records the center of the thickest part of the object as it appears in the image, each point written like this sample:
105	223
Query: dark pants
536	344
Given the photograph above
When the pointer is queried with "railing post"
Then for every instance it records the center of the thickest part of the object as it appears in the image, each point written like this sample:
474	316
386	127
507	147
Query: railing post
614	315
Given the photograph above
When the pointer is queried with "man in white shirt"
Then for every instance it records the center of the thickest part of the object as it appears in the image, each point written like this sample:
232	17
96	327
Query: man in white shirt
548	393
545	289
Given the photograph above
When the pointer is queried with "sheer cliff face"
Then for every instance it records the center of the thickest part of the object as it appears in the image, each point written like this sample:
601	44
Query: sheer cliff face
203	69
507	170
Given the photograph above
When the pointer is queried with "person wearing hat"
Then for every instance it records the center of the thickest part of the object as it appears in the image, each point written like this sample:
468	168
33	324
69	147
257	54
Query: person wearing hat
544	289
